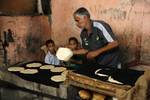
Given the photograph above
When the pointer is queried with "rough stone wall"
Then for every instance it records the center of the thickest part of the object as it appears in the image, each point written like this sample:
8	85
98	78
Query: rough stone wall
129	20
29	33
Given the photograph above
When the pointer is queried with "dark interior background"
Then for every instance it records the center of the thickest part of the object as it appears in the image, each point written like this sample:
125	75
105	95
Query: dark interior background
23	7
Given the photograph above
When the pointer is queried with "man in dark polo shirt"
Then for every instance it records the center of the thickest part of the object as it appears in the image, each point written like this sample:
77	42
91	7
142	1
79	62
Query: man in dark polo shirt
98	44
98	40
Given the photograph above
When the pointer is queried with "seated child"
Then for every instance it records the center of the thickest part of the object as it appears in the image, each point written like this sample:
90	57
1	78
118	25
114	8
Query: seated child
76	60
50	57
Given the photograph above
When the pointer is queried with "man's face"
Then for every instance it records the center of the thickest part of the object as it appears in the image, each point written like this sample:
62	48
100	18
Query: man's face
81	21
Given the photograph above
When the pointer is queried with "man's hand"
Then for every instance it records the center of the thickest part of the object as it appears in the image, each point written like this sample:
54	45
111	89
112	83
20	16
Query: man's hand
92	54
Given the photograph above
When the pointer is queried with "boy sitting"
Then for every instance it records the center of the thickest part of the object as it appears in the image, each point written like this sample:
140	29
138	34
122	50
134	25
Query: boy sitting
50	57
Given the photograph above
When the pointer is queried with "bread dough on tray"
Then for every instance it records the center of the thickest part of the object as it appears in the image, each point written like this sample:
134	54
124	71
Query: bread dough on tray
47	67
29	71
15	69
58	69
30	65
58	78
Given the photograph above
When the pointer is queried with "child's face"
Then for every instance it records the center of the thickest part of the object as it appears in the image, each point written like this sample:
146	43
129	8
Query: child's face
51	47
73	44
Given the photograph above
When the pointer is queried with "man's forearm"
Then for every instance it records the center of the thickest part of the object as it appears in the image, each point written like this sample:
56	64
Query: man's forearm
108	47
80	51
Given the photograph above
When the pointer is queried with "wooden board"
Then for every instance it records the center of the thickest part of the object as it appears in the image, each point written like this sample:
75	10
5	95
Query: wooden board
92	84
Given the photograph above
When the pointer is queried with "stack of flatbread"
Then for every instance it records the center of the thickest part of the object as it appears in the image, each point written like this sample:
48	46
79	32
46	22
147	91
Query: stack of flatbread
47	67
15	69
33	65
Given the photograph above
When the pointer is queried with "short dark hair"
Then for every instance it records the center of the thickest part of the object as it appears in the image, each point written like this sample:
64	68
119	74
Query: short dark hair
74	39
82	11
49	41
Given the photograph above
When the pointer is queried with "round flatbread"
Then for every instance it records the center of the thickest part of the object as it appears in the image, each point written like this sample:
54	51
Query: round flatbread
47	67
15	69
29	71
58	78
84	94
58	69
64	54
33	65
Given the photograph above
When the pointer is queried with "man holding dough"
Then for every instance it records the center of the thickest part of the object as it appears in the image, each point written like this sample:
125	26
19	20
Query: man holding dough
98	40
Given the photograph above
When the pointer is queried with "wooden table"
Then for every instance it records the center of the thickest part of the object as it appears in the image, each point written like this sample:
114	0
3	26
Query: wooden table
92	84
